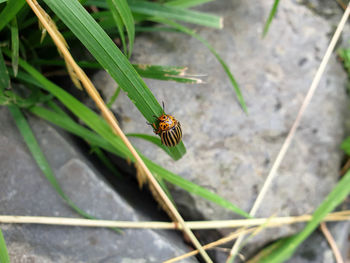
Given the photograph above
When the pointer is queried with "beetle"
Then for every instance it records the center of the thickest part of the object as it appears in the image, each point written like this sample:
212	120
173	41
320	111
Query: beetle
169	129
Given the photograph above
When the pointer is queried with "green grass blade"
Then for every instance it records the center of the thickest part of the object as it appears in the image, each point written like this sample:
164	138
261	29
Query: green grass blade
187	3
345	56
170	12
39	157
271	16
194	188
4	75
168	73
171	73
119	23
213	51
4	256
14	45
345	146
113	98
10	11
121	11
109	56
115	146
285	250
105	160
155	140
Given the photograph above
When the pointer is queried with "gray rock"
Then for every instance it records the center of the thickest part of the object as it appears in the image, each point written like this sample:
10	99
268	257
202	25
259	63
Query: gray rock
25	191
229	152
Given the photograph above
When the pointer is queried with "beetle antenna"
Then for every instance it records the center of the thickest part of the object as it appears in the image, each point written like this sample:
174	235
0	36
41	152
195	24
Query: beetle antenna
163	107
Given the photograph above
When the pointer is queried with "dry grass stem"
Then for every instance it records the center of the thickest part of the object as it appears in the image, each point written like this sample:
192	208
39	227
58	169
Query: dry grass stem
216	243
109	117
331	243
290	136
268	222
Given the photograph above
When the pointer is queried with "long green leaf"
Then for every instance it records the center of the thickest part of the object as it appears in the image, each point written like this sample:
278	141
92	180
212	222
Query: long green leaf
14	45
286	249
116	146
4	256
186	3
110	57
4	75
10	11
212	50
121	12
271	15
169	73
171	12
39	157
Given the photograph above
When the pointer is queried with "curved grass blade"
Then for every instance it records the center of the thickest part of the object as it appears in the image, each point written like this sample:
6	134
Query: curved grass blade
39	157
155	140
123	17
116	147
212	50
10	11
14	45
285	249
4	256
113	98
4	75
109	56
271	16
170	12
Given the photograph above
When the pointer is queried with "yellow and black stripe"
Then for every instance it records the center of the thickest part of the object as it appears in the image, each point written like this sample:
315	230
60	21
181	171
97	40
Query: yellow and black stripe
172	137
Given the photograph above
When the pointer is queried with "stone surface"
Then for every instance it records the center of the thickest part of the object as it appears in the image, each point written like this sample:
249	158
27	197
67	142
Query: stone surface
230	152
25	191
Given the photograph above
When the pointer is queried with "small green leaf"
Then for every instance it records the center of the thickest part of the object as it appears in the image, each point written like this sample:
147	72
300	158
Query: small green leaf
271	16
113	98
345	146
4	256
